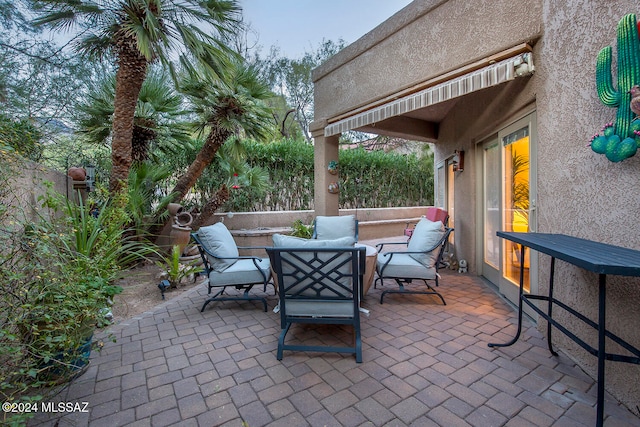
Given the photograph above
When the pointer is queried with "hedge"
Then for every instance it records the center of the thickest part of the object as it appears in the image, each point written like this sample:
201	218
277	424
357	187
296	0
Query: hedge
368	179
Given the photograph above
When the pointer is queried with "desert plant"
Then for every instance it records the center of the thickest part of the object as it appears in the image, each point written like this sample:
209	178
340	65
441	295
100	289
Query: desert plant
176	270
301	230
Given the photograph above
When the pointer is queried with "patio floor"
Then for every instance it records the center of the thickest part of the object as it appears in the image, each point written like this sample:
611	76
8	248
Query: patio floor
425	364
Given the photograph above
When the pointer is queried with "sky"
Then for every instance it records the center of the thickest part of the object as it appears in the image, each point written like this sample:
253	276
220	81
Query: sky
299	26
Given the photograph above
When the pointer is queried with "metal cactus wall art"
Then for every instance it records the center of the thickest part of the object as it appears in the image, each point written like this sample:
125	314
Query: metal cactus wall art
620	140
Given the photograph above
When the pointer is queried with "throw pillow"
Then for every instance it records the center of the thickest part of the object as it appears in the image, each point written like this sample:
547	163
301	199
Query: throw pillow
335	227
424	237
219	241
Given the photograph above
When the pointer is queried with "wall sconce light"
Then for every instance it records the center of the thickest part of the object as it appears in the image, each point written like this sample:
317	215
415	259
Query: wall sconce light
458	161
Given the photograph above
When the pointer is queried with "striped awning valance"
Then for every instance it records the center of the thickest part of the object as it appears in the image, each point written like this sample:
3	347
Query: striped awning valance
491	75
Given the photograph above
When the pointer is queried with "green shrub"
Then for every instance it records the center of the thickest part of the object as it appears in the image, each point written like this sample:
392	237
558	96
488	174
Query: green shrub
20	136
176	271
367	179
301	230
57	278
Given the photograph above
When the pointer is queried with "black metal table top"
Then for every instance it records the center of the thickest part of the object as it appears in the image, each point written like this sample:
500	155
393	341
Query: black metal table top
593	256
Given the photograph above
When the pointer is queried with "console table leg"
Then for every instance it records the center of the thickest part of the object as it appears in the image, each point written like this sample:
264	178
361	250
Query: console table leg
550	305
520	297
601	348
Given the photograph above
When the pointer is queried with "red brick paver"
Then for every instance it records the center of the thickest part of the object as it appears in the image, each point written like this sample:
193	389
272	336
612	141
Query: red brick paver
425	364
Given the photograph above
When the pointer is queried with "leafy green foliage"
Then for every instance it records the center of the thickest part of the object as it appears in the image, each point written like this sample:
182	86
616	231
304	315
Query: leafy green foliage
20	136
368	179
57	276
159	121
145	199
301	230
177	271
292	80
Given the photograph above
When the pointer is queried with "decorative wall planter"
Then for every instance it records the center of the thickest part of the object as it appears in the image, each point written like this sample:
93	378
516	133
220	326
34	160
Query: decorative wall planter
620	139
334	188
333	167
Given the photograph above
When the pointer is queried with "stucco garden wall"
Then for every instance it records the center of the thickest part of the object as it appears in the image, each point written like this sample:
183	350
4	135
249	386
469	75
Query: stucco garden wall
257	228
26	185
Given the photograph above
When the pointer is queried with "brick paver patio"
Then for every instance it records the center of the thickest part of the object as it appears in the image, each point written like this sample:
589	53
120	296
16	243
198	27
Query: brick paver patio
425	364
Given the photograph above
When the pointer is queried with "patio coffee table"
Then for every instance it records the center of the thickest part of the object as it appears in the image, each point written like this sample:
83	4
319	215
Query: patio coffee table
370	267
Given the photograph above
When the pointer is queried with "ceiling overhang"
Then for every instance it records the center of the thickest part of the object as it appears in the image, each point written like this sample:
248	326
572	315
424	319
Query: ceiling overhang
398	115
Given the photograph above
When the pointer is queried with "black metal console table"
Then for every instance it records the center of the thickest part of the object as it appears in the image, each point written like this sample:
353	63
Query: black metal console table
599	258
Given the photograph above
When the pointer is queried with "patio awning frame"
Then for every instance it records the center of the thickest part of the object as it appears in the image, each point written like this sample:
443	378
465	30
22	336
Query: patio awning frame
489	72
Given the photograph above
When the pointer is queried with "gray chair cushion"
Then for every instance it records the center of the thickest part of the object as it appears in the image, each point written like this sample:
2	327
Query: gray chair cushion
241	272
404	266
219	241
334	227
424	237
320	308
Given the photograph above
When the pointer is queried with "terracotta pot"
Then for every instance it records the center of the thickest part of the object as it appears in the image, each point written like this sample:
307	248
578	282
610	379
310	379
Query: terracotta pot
174	208
180	236
77	174
184	219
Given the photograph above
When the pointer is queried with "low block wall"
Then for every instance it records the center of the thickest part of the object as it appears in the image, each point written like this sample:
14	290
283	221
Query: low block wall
257	228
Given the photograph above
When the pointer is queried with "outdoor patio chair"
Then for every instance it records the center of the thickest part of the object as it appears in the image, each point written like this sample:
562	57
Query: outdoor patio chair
224	267
418	262
335	227
433	214
319	282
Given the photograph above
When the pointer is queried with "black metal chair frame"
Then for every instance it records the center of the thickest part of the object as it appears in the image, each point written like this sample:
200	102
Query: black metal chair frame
311	274
245	287
401	281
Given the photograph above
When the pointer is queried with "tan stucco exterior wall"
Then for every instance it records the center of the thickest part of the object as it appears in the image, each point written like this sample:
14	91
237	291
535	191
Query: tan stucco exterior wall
580	193
431	38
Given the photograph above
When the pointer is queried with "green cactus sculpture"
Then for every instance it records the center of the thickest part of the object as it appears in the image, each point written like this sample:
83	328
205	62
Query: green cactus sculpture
619	140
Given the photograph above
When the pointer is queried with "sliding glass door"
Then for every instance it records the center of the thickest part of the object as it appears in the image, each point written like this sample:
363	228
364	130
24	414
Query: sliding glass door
508	204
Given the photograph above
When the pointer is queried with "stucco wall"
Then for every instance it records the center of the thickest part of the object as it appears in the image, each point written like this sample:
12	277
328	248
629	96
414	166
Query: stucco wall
580	193
26	186
431	38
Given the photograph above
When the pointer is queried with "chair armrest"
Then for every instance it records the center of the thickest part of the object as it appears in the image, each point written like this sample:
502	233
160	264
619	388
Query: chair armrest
379	246
203	250
438	245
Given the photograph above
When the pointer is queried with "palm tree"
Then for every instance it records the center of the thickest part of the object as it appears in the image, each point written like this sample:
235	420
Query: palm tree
241	177
231	105
159	120
137	33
